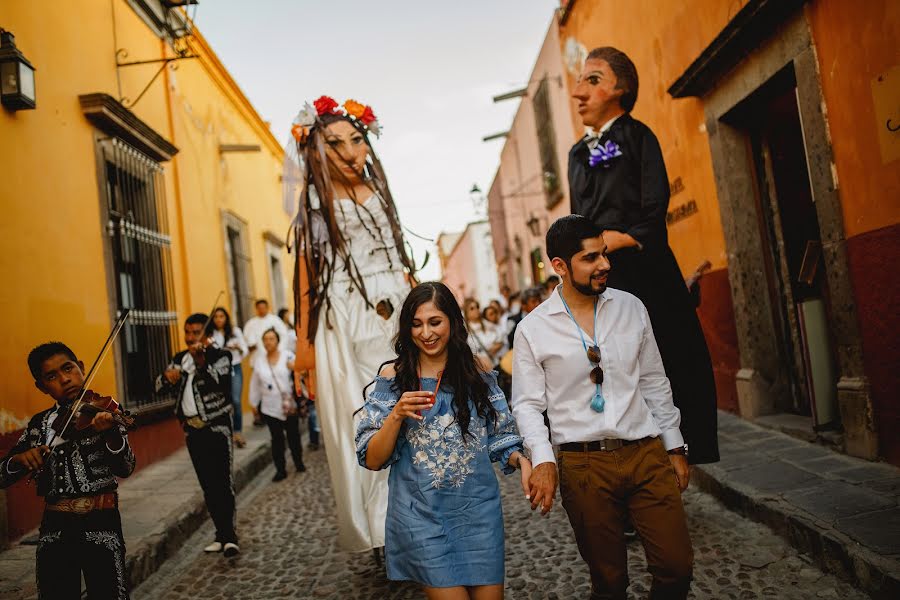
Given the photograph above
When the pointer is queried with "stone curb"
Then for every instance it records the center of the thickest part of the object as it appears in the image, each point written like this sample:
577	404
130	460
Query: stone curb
833	551
146	556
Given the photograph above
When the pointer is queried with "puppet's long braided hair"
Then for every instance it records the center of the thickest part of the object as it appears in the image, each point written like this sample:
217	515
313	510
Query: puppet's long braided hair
323	257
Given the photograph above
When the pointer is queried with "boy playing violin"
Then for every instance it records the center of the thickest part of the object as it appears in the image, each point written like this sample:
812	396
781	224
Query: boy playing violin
81	531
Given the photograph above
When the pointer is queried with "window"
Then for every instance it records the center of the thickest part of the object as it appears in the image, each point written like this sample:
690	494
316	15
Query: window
237	257
547	144
142	268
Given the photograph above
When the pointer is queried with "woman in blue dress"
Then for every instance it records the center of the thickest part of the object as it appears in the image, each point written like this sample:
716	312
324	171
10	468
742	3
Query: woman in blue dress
438	418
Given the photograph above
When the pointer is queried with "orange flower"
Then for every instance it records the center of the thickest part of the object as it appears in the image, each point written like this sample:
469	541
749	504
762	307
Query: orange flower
300	133
354	108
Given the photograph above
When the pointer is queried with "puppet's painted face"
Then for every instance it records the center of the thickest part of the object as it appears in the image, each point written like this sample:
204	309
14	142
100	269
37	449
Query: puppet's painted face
596	93
347	151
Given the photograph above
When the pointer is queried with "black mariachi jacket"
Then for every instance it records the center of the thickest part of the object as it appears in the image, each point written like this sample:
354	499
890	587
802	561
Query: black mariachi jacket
211	385
82	467
631	193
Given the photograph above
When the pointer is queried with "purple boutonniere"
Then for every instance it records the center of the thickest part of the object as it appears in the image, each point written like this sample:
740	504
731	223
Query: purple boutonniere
603	153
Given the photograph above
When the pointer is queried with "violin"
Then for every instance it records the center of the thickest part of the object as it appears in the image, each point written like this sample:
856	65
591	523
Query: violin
91	404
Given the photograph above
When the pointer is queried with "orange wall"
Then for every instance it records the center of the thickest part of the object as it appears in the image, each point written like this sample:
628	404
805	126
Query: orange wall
855	43
663	38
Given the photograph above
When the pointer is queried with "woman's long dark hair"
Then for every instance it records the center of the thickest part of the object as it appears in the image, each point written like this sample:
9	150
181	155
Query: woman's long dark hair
227	329
323	261
462	374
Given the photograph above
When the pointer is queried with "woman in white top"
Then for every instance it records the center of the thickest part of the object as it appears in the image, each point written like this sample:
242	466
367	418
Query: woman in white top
272	396
229	337
485	339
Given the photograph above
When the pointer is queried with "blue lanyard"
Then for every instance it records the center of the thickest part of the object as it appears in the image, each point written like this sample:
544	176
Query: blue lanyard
597	402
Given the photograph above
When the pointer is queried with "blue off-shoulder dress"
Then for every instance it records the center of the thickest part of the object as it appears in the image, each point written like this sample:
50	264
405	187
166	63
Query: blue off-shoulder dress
444	520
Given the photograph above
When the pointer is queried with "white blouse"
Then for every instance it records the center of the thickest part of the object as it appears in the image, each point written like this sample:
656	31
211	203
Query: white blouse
235	344
272	385
480	341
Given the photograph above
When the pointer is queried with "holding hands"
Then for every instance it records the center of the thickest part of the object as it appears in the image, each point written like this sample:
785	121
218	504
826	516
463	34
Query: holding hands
542	486
518	460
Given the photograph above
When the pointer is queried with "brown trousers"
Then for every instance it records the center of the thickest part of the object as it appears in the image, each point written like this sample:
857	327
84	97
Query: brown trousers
600	490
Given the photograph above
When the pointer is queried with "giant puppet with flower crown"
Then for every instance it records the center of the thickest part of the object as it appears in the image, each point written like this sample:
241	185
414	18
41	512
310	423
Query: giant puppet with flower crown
354	268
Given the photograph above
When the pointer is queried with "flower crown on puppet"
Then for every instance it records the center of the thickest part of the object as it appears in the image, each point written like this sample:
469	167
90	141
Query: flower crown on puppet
308	117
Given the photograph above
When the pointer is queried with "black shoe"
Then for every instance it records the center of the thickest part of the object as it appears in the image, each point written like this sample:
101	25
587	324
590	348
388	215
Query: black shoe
280	476
231	549
301	468
630	533
313	446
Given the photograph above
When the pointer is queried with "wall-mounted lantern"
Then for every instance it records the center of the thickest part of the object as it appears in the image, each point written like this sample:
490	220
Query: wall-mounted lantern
16	75
534	226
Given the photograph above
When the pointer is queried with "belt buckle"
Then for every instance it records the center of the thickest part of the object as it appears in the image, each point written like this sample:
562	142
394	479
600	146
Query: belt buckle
82	505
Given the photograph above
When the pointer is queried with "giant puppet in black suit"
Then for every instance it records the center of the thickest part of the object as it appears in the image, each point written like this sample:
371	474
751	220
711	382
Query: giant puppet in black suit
619	181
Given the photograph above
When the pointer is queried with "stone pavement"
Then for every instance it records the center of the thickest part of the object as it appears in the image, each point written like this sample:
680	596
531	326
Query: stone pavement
161	506
289	550
841	511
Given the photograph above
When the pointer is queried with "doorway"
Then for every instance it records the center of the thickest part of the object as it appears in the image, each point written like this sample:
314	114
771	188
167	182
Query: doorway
791	242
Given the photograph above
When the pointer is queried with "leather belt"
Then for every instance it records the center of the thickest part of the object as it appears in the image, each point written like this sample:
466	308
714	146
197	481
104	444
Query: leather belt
85	504
195	422
597	446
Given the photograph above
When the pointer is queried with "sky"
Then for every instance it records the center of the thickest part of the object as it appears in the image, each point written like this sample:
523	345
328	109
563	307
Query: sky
428	69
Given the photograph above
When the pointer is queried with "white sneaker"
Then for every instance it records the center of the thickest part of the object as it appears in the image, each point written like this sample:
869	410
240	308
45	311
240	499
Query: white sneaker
214	547
231	549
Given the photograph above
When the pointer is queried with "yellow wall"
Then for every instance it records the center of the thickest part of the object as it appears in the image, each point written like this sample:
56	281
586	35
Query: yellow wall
51	244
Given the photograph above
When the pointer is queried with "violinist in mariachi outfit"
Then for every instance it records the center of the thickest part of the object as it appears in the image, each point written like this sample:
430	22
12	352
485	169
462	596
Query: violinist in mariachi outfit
200	379
75	463
618	180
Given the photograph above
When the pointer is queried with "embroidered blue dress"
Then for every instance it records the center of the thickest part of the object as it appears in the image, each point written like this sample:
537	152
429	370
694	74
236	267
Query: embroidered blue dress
444	520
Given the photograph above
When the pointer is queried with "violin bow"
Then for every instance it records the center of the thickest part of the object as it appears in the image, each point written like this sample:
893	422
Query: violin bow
209	317
117	327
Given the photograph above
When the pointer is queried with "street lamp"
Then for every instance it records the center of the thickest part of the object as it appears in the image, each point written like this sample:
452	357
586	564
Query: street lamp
16	75
477	198
534	225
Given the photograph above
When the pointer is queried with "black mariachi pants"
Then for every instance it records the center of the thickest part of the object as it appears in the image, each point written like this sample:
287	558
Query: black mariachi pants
278	429
71	544
211	452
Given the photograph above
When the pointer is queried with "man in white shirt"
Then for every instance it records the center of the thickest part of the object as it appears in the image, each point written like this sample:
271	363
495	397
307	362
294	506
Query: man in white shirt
256	326
588	357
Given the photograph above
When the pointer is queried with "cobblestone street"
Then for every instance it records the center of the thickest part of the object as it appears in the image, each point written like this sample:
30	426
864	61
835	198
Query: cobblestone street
288	540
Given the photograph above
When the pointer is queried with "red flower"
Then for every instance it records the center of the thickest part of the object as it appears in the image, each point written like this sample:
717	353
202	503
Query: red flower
368	116
325	105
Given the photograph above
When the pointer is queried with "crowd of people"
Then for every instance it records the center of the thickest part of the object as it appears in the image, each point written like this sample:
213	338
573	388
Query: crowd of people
597	382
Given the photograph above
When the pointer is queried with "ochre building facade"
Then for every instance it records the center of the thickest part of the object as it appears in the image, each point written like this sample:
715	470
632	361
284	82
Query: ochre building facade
147	186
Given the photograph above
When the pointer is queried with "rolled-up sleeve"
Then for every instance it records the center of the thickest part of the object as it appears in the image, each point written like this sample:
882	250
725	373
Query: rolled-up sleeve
655	388
529	400
503	436
379	404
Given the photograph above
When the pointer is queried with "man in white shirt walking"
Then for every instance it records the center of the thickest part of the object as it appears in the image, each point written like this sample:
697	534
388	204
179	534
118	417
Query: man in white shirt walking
256	326
588	357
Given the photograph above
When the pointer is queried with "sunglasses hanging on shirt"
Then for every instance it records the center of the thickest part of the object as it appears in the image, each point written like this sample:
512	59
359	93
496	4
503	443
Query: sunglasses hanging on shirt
593	356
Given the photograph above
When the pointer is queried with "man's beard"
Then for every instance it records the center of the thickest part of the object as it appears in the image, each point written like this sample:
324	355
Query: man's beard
586	288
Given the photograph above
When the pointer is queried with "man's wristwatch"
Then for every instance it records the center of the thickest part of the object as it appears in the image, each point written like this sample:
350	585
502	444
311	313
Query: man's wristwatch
681	450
